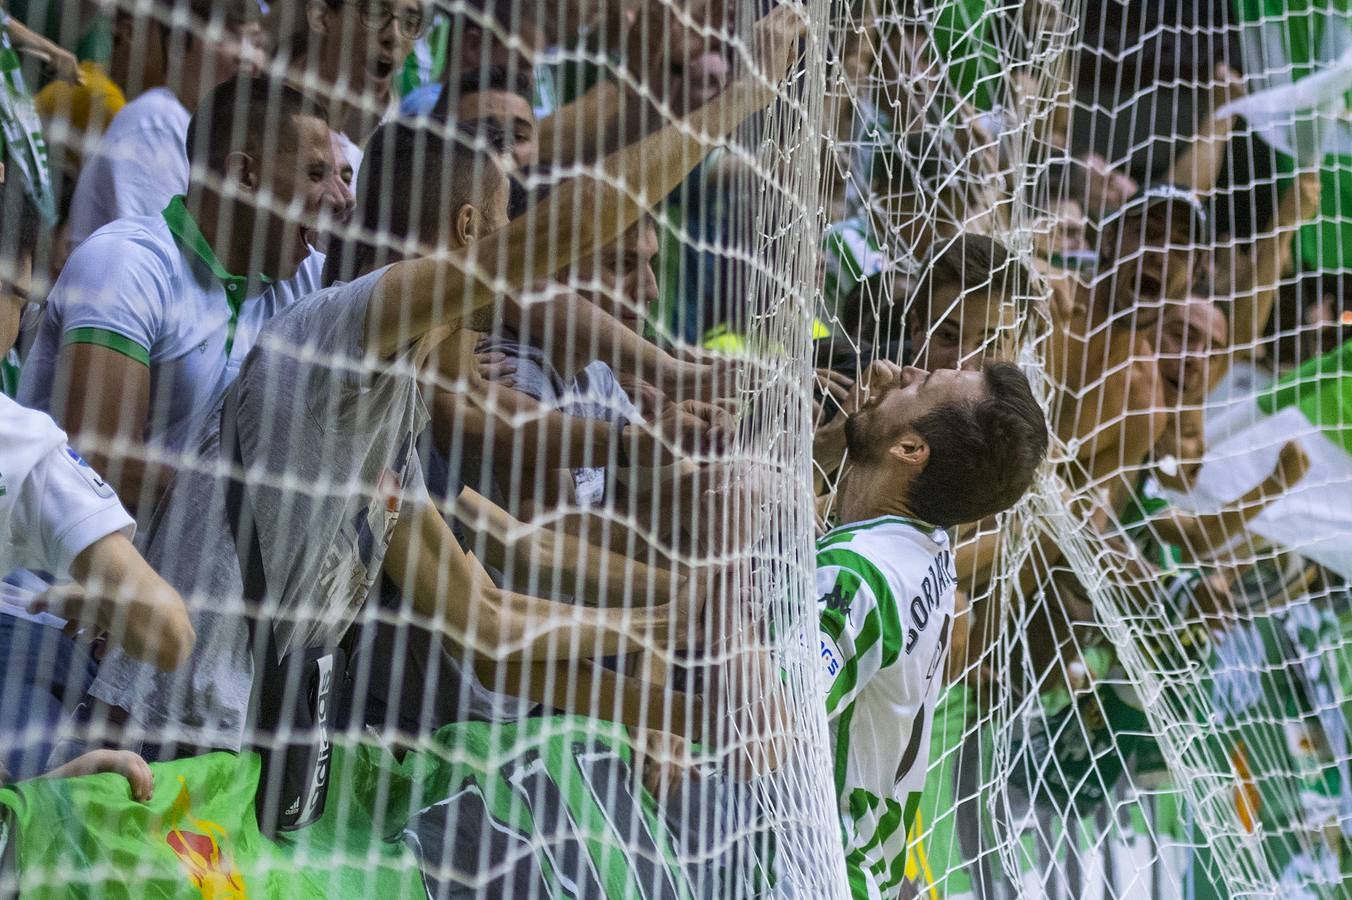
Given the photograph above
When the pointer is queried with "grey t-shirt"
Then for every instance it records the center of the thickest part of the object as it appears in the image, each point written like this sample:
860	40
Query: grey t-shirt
594	393
327	437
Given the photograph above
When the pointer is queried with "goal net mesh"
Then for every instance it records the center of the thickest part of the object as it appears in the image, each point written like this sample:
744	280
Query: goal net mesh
1149	682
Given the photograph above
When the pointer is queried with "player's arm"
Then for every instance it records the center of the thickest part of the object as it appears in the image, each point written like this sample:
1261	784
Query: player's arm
415	297
451	589
120	595
562	560
1199	165
465	406
539	649
508	421
578	131
577	331
61	60
1255	295
102	398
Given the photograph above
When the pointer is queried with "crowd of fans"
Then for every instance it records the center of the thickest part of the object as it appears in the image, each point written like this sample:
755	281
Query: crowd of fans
371	319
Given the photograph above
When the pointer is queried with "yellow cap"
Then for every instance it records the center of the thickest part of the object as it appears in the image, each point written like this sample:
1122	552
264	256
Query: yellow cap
86	108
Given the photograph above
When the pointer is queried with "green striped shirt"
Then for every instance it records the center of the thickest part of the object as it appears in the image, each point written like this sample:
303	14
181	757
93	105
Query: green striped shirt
885	589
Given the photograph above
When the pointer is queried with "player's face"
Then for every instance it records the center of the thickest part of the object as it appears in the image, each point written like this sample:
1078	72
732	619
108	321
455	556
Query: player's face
917	391
302	187
965	337
892	410
1189	334
1156	262
374	37
512	114
494	212
623	273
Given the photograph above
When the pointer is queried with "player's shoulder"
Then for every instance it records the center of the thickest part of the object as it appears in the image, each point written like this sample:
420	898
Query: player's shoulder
140	247
893	549
21	425
884	536
316	300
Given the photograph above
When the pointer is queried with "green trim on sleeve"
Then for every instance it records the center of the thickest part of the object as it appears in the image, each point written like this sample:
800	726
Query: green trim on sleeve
102	337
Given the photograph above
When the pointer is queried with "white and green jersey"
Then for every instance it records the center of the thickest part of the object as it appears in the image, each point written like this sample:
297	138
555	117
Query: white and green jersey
885	590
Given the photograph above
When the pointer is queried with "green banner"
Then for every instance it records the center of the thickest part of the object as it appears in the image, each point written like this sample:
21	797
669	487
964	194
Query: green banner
1322	390
546	808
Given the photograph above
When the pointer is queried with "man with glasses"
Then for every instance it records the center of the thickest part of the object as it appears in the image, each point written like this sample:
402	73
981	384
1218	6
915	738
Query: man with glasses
140	162
354	49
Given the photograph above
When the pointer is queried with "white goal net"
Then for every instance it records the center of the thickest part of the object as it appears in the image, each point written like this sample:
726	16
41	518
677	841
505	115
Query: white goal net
458	397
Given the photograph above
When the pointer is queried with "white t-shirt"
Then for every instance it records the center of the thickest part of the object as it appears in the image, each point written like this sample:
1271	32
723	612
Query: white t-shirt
139	163
52	504
135	288
886	605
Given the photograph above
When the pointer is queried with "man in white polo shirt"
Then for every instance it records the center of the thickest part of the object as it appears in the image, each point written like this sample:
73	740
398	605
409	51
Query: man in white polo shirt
58	516
152	316
139	162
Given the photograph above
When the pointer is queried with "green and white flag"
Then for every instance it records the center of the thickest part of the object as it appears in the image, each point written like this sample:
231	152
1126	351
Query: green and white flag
1298	57
24	148
545	808
1250	417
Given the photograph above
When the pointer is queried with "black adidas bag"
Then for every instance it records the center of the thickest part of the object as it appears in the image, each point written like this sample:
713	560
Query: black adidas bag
296	695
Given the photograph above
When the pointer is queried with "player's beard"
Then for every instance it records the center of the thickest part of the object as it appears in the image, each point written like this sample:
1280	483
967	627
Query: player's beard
856	440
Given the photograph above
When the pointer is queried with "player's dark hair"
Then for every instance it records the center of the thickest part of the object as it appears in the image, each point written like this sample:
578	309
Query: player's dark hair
501	79
971	263
982	454
242	115
395	206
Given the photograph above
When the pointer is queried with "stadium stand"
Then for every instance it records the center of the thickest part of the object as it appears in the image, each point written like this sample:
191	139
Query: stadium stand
675	449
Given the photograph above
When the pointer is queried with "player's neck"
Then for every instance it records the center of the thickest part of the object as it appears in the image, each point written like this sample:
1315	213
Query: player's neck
210	211
868	492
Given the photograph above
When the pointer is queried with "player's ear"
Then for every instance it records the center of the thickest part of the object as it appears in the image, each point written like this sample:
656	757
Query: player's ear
465	225
317	16
241	169
910	449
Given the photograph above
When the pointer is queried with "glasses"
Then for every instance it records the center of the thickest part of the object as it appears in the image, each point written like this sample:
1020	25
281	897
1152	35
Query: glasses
375	16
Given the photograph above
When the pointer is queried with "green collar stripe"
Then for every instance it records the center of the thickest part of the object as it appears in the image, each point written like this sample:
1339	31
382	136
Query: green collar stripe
845	532
184	228
101	337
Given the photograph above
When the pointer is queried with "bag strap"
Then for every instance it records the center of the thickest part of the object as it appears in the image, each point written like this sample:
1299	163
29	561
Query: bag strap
237	509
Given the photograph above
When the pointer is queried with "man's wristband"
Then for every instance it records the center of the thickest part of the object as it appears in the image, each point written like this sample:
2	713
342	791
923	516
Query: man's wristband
621	451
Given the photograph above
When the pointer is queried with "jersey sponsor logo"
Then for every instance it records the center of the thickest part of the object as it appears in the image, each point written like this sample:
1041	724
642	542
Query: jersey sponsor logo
938	584
90	477
831	656
837	600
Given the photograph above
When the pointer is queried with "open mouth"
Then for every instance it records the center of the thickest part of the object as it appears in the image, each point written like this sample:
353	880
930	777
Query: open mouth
1172	383
381	68
1148	289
